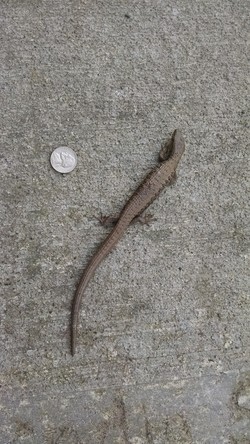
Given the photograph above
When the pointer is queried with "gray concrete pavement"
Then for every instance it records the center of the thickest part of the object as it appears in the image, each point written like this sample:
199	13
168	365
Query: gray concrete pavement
163	347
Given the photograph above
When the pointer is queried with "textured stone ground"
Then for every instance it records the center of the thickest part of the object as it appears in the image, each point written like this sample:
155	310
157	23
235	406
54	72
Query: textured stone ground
163	348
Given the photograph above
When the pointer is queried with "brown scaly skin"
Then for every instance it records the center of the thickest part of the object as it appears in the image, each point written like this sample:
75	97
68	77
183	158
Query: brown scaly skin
164	174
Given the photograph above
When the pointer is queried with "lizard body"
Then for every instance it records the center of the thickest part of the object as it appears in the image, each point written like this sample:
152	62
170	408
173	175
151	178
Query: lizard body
159	177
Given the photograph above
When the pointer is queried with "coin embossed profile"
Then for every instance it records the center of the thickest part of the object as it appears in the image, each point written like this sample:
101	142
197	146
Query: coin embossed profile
63	159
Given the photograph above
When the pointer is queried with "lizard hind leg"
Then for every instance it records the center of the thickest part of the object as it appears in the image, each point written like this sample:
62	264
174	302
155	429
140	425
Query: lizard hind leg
144	219
107	220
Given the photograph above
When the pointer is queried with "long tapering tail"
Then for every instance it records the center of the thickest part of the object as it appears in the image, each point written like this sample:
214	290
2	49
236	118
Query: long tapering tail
89	271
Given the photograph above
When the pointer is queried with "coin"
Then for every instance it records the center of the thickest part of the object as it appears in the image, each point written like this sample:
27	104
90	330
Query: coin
63	159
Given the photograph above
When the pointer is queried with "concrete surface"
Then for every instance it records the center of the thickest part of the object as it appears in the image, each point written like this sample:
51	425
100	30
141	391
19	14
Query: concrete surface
163	346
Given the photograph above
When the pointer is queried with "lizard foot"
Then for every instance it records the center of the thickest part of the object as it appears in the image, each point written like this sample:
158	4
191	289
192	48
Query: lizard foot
145	219
107	220
173	179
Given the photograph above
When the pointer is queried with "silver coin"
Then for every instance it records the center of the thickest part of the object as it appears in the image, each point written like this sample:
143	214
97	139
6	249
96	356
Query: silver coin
63	159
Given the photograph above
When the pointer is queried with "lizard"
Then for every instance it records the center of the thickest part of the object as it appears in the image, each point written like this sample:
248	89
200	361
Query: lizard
162	175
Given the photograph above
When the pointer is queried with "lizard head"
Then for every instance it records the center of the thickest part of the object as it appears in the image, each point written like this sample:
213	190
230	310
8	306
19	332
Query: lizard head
178	143
174	148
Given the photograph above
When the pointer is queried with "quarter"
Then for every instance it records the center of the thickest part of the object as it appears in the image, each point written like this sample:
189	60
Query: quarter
63	159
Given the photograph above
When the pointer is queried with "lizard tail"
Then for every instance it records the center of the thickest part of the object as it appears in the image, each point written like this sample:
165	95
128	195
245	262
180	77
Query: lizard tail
89	271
